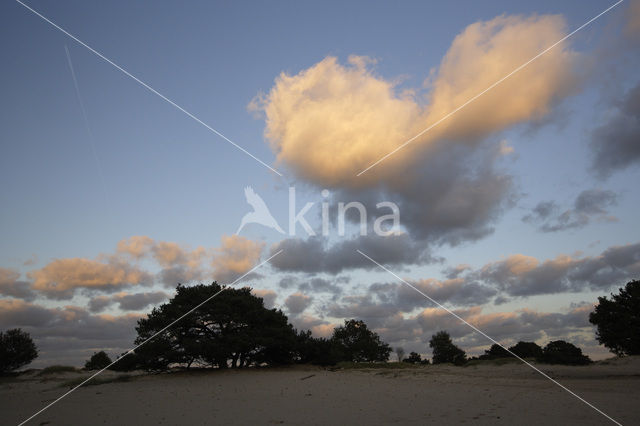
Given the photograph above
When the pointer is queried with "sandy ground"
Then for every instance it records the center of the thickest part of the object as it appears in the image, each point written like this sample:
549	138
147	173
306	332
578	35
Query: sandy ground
484	394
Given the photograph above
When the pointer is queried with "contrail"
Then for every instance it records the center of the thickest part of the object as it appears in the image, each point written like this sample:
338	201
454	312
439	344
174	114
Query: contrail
86	124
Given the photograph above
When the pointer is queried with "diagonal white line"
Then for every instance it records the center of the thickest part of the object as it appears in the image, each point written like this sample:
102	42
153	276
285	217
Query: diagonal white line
493	340
146	86
490	87
152	337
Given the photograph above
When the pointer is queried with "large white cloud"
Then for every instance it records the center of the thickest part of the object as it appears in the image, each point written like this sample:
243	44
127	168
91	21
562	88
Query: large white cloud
330	121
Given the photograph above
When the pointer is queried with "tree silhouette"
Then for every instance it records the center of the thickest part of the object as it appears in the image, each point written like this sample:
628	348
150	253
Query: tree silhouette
359	344
16	350
527	350
495	351
445	351
318	351
233	329
98	361
413	358
618	320
561	352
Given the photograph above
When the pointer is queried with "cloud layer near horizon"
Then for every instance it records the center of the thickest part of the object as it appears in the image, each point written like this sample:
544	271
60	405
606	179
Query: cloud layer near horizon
62	279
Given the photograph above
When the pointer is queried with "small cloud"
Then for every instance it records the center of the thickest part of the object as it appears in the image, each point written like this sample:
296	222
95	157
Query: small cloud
589	205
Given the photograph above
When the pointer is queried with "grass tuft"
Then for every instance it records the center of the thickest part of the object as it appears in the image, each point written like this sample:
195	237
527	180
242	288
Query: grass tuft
57	369
97	381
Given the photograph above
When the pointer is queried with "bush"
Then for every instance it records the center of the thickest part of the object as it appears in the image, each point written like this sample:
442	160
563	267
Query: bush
413	358
561	352
16	350
53	369
317	351
359	344
527	350
445	351
126	362
618	320
496	351
98	361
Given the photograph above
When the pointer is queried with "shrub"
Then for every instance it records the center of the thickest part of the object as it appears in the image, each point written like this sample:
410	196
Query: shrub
413	358
445	351
561	352
359	344
98	361
527	350
16	350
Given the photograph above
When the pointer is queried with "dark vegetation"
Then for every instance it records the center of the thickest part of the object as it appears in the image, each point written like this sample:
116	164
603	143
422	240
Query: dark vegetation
98	361
618	320
16	350
235	330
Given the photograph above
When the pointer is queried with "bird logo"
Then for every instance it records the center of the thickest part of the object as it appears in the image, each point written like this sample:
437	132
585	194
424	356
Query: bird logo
260	214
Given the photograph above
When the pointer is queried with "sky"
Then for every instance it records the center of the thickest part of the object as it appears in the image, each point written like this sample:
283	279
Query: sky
517	206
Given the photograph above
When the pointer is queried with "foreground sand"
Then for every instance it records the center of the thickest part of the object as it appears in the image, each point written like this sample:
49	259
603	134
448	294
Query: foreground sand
484	394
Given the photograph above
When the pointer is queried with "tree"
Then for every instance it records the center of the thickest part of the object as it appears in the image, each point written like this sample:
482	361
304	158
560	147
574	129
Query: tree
445	351
318	351
561	352
98	361
359	344
127	362
233	329
527	350
400	353
496	351
618	320
413	358
16	350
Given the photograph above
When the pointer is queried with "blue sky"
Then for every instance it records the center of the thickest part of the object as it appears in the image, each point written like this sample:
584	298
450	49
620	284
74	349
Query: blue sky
158	173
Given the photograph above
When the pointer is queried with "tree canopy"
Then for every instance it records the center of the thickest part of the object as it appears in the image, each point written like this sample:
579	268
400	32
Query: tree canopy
495	351
561	352
526	350
16	350
98	361
232	329
359	344
445	351
618	320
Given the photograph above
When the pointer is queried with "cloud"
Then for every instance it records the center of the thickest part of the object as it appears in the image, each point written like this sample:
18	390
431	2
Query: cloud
268	297
137	246
127	301
321	285
68	335
297	302
589	205
11	285
632	26
236	256
414	331
521	275
313	255
180	264
615	145
60	278
330	121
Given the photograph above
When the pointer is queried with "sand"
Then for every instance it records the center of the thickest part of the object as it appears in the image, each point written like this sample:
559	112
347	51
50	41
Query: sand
483	394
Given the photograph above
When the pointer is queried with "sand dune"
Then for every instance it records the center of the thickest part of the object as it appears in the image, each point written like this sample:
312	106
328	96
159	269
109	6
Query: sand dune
481	394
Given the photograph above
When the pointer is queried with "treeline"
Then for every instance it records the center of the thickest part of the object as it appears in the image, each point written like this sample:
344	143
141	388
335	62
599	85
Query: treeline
235	330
